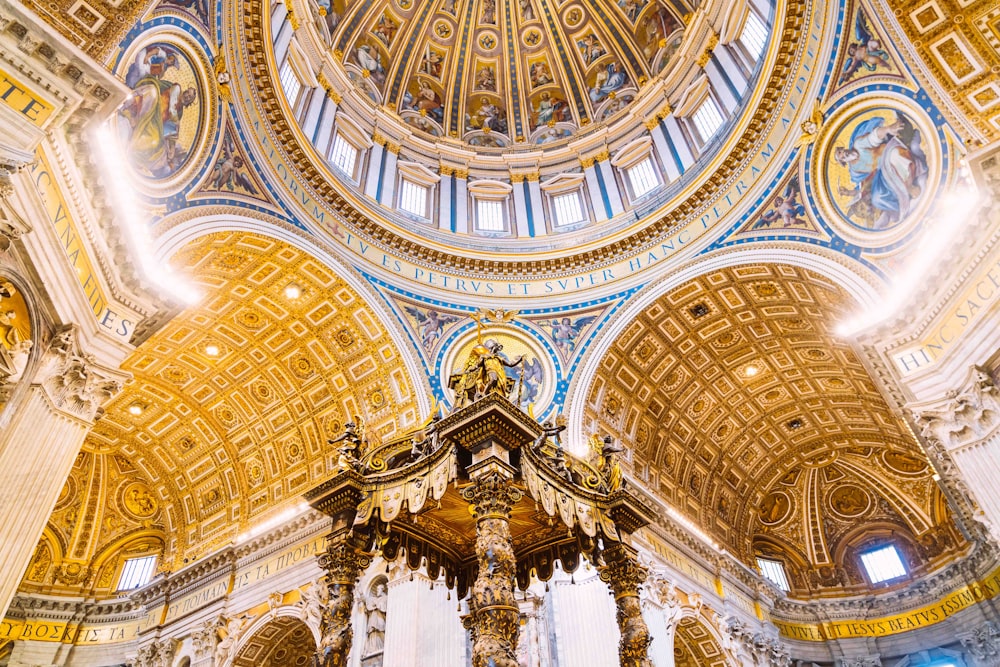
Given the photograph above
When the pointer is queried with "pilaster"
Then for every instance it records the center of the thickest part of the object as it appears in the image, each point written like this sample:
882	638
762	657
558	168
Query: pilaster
39	445
962	434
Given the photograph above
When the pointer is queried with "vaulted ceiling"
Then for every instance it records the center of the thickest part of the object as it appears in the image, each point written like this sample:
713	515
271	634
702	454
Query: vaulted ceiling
227	418
734	386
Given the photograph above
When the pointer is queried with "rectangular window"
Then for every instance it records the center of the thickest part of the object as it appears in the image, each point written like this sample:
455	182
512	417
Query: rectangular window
774	571
413	198
290	83
137	572
883	564
343	155
642	177
568	209
489	215
707	119
754	36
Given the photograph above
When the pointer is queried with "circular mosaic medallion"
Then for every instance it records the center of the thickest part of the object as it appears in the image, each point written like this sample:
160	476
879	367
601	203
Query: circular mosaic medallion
160	126
849	501
775	508
877	168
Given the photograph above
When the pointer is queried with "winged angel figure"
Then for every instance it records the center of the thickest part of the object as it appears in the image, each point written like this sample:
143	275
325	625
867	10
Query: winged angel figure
866	51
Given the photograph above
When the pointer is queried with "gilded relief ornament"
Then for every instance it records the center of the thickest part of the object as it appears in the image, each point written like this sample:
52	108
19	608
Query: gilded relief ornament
139	501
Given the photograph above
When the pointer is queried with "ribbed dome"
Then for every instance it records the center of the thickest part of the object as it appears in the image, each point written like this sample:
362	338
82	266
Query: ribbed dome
493	73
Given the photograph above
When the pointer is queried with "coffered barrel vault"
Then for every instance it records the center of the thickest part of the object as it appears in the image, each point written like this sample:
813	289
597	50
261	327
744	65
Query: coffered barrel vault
530	299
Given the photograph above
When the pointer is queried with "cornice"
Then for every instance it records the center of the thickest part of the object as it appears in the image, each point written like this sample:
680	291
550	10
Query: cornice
778	81
983	559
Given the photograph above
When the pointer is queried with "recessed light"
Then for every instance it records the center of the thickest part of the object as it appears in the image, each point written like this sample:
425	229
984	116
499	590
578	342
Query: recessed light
751	370
293	291
794	424
135	409
212	350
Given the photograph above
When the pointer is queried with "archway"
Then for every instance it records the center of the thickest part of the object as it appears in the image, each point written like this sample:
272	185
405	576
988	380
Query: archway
283	642
696	646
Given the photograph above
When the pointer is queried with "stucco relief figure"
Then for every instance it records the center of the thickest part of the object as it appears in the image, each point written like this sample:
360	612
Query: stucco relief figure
14	345
153	127
885	163
228	636
374	606
314	599
774	508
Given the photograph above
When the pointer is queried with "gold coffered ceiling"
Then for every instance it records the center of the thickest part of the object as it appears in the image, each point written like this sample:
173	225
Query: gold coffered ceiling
727	384
238	395
959	43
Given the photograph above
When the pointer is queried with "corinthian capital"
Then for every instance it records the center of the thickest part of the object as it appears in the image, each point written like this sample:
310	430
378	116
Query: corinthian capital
983	643
74	381
965	416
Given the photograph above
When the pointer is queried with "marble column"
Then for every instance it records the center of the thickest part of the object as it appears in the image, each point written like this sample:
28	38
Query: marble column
962	438
624	575
494	615
40	443
343	564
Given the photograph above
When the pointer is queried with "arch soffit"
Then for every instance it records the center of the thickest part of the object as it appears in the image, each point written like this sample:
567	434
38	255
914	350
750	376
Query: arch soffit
179	231
244	484
288	615
862	286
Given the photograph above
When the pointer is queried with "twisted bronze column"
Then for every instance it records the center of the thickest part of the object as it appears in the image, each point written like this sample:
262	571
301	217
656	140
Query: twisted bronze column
623	573
343	564
494	616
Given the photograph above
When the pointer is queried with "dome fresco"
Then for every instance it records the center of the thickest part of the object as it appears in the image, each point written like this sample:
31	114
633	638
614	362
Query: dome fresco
493	74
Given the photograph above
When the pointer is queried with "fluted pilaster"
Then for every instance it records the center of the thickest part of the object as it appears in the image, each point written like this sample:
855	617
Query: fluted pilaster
39	445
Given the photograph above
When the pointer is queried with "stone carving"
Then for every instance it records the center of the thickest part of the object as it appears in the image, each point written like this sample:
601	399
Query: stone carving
752	648
314	600
343	564
954	424
862	661
983	644
374	606
156	654
206	637
623	573
229	636
14	348
494	615
74	381
964	417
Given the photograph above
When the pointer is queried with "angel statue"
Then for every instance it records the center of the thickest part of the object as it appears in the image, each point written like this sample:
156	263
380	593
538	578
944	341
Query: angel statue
603	452
484	373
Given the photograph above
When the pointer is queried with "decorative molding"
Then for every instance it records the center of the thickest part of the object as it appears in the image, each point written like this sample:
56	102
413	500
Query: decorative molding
74	381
